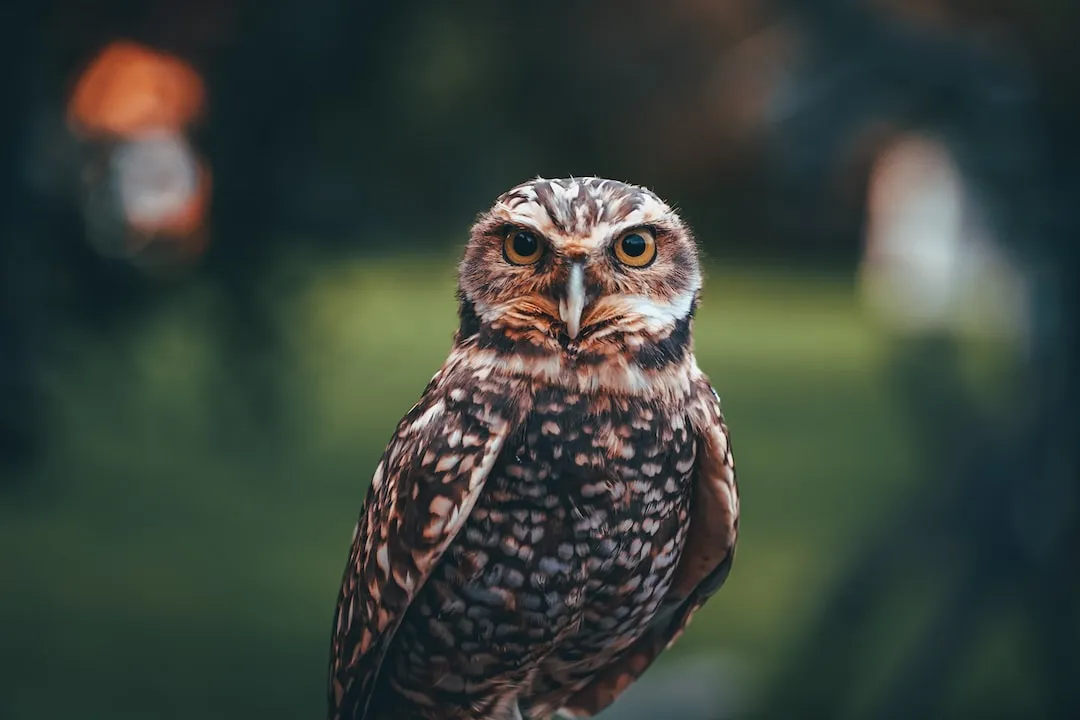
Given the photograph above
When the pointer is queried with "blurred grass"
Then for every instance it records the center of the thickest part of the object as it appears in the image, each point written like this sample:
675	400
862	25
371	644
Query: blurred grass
175	557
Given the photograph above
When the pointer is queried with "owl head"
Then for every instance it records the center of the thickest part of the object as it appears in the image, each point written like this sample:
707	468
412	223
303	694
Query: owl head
583	270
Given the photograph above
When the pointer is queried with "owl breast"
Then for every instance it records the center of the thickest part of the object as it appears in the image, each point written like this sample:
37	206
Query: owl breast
561	564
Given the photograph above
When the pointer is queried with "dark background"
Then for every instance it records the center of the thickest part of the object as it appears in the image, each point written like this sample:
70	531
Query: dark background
187	426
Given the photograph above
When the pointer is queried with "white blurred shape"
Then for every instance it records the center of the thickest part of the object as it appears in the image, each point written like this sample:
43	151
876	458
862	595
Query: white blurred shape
930	263
157	177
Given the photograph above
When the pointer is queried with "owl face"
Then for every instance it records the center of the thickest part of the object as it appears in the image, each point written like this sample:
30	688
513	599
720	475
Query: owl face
581	267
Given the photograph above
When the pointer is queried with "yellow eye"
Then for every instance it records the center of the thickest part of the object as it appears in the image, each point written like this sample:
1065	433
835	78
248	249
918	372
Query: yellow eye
636	248
522	247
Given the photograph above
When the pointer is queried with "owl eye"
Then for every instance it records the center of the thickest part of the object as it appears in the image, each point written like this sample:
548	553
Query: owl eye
636	248
522	247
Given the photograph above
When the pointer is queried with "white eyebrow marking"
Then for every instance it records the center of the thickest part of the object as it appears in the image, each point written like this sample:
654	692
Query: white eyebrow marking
659	315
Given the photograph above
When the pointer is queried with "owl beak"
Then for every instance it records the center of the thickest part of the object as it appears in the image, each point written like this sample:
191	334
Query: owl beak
571	307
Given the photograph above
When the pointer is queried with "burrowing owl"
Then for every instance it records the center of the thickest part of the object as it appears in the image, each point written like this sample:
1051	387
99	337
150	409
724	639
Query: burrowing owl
562	499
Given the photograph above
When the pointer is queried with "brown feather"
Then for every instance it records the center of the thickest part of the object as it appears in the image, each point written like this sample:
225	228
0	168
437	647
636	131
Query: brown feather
703	567
415	507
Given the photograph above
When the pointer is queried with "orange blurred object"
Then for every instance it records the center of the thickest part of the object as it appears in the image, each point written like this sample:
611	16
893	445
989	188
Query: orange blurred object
129	89
136	103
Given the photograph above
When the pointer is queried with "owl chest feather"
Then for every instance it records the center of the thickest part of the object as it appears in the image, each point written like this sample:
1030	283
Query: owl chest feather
585	494
567	553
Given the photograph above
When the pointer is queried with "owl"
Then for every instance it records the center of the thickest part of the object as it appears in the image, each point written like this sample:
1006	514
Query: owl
562	499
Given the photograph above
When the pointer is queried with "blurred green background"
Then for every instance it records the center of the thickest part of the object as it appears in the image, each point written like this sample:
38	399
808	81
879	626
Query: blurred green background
190	411
184	555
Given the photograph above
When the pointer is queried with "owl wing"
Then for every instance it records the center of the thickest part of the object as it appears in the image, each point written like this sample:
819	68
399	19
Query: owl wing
420	495
705	562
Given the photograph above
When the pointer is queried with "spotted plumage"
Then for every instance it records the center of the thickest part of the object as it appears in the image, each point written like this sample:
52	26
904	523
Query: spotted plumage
562	498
